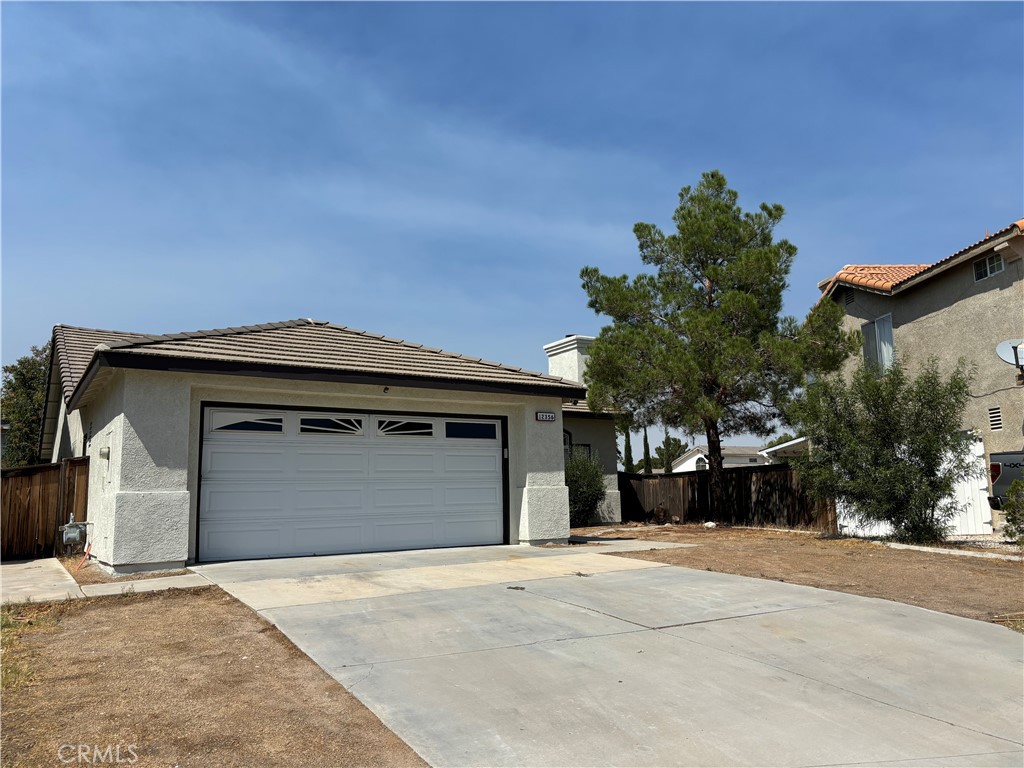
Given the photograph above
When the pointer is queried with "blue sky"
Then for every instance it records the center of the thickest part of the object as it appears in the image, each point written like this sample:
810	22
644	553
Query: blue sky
440	172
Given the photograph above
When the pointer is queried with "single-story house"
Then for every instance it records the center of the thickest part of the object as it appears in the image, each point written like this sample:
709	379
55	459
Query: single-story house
732	456
304	438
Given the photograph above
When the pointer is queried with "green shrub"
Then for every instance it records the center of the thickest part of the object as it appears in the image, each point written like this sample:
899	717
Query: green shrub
584	476
890	445
1013	509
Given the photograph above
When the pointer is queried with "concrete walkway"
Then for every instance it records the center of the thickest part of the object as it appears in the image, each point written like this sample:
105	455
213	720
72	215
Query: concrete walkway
37	580
46	580
511	656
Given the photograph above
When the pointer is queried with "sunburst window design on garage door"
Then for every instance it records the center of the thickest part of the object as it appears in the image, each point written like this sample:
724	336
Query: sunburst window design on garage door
237	422
329	425
403	428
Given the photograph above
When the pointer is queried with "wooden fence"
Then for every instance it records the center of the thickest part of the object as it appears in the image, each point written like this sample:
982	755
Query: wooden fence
768	495
36	501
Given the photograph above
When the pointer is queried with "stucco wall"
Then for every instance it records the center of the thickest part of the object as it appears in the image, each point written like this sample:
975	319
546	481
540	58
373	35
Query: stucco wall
599	434
952	316
148	500
69	442
101	425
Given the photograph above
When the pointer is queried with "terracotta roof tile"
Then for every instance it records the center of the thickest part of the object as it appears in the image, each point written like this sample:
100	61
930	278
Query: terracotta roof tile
879	276
889	277
309	344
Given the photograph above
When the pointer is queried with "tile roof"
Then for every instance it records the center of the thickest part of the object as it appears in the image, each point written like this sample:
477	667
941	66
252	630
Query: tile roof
890	277
879	276
73	349
316	345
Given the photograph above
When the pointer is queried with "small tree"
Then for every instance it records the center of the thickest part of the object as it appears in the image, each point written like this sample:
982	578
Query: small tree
627	458
648	466
1013	510
584	476
21	403
892	447
670	450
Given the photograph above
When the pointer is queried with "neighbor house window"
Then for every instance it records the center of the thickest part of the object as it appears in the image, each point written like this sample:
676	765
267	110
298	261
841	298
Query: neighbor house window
991	265
878	342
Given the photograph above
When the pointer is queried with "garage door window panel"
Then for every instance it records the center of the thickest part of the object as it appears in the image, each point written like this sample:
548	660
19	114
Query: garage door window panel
470	430
330	425
246	422
402	428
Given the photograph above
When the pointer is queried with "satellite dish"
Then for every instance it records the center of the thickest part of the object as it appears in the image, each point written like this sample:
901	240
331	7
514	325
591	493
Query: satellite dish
1008	351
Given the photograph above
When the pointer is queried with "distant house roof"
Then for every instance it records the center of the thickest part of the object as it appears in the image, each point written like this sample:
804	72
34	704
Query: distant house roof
796	447
891	278
728	451
307	349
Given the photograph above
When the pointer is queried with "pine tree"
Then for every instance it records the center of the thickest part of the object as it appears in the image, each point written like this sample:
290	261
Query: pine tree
701	343
647	454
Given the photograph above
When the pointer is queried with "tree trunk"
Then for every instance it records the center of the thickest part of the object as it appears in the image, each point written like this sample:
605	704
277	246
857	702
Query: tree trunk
716	468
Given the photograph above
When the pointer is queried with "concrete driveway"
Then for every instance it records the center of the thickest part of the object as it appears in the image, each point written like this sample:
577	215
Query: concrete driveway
515	656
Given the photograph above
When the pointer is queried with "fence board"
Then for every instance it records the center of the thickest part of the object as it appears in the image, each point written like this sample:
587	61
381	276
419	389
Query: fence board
766	496
36	501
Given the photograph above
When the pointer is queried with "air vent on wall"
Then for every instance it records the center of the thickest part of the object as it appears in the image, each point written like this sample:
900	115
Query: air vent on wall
995	418
849	295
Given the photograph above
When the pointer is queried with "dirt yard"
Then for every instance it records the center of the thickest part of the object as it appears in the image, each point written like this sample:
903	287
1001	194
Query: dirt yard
178	678
978	588
88	572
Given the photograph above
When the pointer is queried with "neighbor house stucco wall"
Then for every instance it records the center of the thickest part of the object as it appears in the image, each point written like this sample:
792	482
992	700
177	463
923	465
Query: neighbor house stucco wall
150	505
599	434
950	316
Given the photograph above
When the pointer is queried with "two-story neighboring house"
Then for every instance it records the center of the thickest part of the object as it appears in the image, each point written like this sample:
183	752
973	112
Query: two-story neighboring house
961	306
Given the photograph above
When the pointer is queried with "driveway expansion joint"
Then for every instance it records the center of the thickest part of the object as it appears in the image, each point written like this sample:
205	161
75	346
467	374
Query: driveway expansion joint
741	616
904	760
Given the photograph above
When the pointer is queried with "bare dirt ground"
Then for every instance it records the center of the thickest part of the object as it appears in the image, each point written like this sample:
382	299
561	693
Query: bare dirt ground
90	573
185	678
978	588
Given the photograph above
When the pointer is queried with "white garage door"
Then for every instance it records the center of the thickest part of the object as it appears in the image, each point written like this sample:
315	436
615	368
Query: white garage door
279	483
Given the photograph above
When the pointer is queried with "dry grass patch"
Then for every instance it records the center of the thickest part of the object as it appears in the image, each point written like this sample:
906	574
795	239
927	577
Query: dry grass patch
186	677
978	588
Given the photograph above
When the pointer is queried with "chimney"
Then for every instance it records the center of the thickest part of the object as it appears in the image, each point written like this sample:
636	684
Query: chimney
567	358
